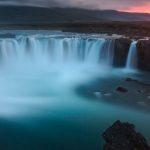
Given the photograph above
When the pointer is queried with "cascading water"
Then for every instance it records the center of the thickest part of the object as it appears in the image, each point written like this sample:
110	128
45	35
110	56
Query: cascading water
57	49
107	52
132	57
45	95
56	61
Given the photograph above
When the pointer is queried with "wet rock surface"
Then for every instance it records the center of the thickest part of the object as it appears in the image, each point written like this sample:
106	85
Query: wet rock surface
121	89
137	81
104	90
121	49
128	79
122	136
143	49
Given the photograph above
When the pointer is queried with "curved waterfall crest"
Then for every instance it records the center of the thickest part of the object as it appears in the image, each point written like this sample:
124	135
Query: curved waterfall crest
57	49
61	49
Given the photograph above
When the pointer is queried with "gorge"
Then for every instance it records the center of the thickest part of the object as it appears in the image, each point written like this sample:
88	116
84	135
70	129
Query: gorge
58	90
74	75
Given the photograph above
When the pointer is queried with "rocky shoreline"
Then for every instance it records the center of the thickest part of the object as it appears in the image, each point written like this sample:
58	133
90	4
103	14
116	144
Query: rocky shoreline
135	29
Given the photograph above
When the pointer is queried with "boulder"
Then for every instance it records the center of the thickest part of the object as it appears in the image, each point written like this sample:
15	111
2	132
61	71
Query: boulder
121	89
140	91
121	49
129	79
122	136
143	51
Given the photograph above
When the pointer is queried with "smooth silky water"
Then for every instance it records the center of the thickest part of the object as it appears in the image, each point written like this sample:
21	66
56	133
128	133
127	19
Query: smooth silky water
40	108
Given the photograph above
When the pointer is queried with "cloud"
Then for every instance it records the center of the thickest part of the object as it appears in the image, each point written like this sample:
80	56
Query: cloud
90	4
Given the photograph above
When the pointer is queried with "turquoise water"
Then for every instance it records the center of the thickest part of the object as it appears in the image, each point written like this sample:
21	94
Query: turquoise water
45	105
40	109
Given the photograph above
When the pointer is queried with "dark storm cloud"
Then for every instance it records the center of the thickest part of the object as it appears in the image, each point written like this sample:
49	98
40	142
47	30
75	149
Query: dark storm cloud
90	4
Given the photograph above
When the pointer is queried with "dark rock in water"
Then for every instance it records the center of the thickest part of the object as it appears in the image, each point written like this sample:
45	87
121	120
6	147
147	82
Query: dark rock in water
130	79
122	136
140	91
143	49
137	81
121	89
121	49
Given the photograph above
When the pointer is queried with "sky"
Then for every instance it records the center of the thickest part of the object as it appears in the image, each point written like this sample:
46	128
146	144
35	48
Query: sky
121	5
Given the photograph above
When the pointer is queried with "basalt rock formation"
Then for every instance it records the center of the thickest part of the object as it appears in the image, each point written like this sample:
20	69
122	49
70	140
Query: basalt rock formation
143	50
121	49
122	136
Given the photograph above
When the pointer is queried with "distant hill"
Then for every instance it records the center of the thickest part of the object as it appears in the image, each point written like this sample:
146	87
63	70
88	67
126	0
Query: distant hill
27	15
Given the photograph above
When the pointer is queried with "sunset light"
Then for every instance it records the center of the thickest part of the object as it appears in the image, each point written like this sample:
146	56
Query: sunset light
140	9
74	74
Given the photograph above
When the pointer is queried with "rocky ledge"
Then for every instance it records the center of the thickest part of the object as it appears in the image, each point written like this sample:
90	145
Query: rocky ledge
143	50
121	49
122	136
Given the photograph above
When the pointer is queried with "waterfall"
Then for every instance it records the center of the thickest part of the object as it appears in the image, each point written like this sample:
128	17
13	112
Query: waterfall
40	48
107	52
132	56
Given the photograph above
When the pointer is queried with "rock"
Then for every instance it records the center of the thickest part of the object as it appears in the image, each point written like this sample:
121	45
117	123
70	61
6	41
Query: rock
98	94
121	89
143	50
130	79
121	49
108	94
137	81
140	91
122	136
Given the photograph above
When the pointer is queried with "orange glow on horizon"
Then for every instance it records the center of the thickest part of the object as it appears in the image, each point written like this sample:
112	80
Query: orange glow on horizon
140	9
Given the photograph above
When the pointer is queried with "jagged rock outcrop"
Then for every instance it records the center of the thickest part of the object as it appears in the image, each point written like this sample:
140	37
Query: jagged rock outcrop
143	50
122	136
121	49
121	89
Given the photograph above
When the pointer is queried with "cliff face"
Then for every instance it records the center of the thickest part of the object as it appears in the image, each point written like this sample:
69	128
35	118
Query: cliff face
143	49
121	49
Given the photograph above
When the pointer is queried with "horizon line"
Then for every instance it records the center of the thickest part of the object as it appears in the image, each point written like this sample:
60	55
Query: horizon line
124	11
